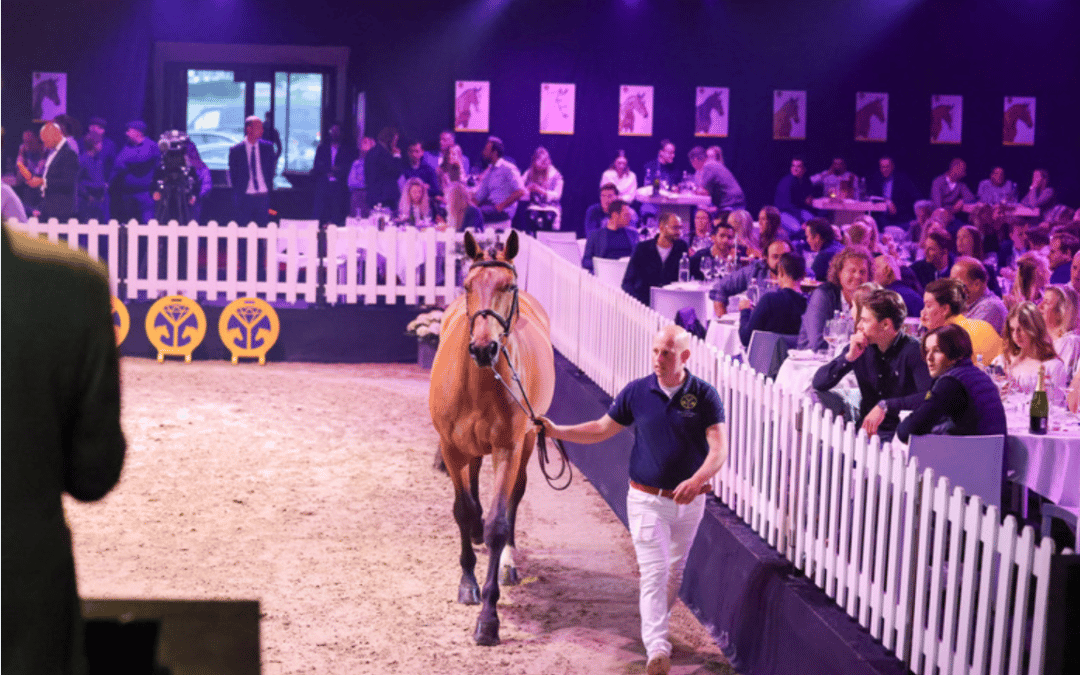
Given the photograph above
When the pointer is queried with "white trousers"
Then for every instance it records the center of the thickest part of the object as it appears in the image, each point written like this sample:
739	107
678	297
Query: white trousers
662	532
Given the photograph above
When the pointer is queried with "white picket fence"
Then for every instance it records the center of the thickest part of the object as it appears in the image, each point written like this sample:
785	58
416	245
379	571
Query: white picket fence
940	580
280	262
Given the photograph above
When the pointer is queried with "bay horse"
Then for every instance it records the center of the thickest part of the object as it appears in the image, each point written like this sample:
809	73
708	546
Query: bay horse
467	101
705	111
940	117
784	117
495	345
875	108
1017	112
635	103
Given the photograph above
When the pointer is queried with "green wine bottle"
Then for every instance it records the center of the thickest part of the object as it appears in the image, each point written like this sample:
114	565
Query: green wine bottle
1040	406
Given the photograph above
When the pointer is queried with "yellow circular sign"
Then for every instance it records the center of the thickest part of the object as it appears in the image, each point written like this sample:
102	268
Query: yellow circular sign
249	327
175	325
121	319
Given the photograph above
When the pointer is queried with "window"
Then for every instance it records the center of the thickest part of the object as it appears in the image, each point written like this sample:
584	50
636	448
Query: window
215	114
298	99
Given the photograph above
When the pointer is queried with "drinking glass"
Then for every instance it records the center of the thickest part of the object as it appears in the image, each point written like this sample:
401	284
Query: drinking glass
707	267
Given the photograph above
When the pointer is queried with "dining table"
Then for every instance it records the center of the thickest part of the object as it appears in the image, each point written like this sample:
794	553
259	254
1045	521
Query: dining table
682	204
846	210
1010	208
1047	464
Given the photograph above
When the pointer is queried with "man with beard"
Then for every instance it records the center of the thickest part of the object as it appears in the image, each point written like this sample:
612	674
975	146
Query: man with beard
754	273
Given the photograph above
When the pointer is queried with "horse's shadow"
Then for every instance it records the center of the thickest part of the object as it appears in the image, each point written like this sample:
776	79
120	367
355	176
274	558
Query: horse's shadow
557	596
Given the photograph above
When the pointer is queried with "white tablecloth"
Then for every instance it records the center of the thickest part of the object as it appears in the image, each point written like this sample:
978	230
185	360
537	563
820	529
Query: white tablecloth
723	333
1048	465
797	374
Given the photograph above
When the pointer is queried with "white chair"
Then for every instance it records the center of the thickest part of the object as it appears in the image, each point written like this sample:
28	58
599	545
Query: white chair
549	238
975	463
568	250
581	247
610	272
668	301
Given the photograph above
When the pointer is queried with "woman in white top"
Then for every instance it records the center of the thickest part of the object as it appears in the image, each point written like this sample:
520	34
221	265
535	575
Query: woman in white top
1059	310
414	204
701	236
451	169
1028	346
545	184
624	180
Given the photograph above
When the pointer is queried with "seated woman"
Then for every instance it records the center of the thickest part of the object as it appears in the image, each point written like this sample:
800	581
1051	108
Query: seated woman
1032	276
778	311
414	205
1027	347
943	302
545	186
863	232
452	168
624	180
1040	195
769	227
460	212
700	238
747	241
1060	311
848	269
964	401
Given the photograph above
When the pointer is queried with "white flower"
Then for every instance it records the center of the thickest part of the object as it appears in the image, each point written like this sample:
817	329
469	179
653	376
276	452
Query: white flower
422	331
412	325
435	329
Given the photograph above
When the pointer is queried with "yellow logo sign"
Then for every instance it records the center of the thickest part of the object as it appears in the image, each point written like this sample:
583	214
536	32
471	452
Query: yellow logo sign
175	325
688	401
249	327
121	319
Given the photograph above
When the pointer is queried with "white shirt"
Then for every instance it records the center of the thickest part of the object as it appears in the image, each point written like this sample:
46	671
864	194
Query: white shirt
254	172
48	161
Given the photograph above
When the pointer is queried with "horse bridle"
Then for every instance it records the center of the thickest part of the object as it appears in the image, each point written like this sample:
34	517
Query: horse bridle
526	406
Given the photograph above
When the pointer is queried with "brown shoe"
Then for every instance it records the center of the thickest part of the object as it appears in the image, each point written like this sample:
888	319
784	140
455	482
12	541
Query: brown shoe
659	665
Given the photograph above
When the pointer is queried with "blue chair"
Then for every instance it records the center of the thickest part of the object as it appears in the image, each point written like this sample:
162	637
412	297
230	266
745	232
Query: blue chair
975	463
767	351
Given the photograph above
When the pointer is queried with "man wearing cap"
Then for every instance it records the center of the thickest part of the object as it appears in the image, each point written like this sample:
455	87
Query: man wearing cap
251	171
680	442
58	181
133	174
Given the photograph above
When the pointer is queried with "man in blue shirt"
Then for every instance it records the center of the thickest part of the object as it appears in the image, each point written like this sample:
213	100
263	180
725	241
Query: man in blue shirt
680	442
500	186
616	240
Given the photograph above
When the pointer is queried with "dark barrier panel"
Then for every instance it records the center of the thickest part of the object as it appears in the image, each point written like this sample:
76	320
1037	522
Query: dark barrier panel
766	619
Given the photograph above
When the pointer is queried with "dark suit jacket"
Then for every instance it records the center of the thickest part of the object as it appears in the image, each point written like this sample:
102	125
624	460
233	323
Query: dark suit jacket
321	169
61	433
904	196
60	185
238	166
646	270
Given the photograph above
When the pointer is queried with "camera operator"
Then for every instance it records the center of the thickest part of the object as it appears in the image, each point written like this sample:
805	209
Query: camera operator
181	180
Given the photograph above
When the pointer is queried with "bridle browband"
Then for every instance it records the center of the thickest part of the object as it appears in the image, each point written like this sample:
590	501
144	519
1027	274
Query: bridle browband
504	322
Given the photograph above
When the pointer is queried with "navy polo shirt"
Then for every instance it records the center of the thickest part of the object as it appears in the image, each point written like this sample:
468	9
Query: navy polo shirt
669	434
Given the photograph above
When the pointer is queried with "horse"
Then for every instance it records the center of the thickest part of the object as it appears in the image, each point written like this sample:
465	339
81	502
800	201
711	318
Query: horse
492	336
705	111
875	108
940	115
467	101
1017	112
634	103
784	118
45	89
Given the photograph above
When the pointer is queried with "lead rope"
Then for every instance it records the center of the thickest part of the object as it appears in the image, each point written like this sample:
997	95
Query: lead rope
542	453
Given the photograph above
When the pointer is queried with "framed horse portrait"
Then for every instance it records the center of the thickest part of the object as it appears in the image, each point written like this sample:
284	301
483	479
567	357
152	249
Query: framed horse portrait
871	116
946	118
557	108
472	106
635	110
789	115
1019	127
49	95
711	112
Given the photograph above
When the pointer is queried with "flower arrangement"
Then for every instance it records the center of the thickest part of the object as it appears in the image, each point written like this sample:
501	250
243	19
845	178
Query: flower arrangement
427	326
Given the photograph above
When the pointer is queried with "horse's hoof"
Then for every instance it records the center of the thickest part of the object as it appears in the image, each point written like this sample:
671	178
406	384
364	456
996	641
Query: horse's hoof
478	538
508	576
487	633
468	594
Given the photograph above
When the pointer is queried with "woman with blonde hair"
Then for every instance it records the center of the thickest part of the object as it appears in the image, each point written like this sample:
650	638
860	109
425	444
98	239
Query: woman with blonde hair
545	185
460	212
414	204
452	168
620	175
745	237
1032	276
1059	311
1027	347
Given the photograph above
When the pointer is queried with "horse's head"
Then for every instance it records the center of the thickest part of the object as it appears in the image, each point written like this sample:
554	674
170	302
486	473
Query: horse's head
793	109
491	298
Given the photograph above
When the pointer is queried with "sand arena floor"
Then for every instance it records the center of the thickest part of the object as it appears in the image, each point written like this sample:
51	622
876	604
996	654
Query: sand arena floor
309	488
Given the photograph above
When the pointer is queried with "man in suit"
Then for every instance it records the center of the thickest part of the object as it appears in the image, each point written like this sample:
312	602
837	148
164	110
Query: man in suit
330	171
656	262
898	191
251	172
61	433
61	174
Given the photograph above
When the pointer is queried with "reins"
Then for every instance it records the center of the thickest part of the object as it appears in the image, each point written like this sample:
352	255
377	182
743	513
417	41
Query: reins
526	407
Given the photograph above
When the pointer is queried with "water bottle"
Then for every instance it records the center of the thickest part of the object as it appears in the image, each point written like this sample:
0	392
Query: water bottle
684	267
862	196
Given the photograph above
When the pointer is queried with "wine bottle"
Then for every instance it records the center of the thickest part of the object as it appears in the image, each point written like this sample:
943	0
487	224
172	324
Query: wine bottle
1040	406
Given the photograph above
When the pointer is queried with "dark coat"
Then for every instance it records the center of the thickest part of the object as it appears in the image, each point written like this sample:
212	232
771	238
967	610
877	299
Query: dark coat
904	195
61	433
238	166
60	185
646	269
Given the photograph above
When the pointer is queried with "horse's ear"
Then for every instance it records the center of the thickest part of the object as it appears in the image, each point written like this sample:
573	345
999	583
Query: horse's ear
511	249
471	249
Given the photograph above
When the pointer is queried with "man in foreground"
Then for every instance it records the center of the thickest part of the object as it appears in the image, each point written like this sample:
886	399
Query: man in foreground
680	442
61	433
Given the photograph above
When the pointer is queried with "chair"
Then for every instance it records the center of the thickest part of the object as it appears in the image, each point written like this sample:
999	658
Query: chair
767	351
975	463
668	301
568	250
548	238
611	272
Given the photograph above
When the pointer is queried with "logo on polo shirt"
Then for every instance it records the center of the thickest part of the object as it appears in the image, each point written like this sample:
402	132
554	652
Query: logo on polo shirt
688	401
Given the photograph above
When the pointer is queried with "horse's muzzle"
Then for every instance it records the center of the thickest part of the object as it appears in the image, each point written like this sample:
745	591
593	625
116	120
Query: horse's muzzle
485	355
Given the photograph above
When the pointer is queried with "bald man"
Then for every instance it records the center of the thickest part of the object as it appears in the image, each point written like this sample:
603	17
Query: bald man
59	179
680	442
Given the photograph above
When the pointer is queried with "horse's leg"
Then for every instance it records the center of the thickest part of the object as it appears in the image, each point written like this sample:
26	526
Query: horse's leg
508	574
496	535
466	516
474	493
